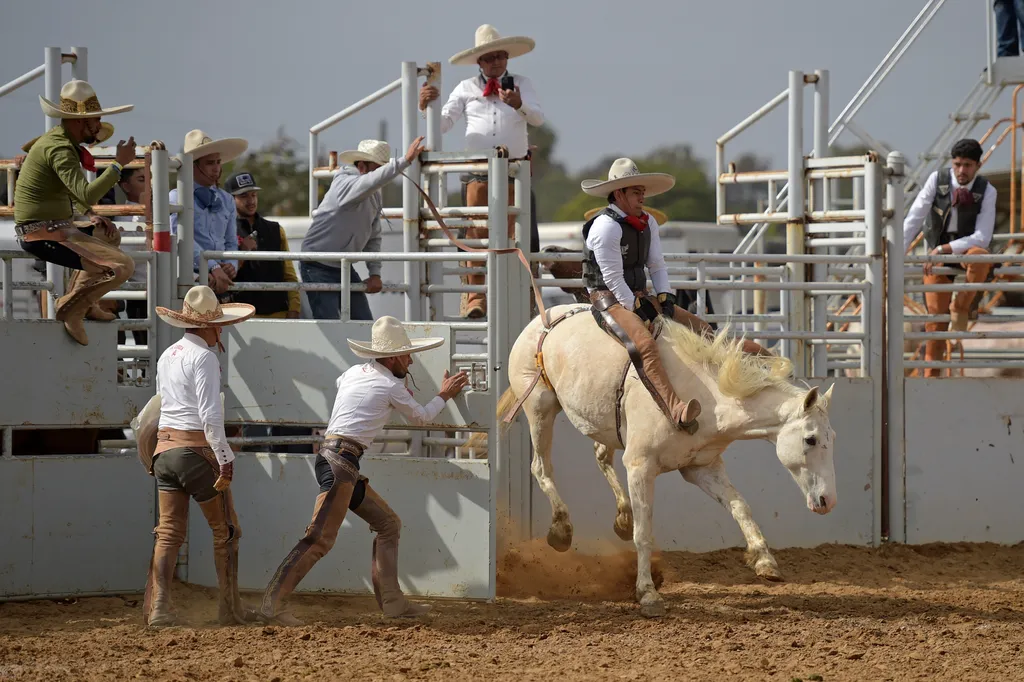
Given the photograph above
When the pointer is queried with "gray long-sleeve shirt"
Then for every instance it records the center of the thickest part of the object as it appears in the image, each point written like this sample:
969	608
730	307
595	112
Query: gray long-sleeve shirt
348	220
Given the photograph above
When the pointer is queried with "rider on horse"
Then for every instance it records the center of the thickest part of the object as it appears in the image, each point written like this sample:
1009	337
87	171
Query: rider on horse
621	245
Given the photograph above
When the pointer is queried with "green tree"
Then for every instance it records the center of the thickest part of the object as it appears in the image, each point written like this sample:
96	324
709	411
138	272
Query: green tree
282	172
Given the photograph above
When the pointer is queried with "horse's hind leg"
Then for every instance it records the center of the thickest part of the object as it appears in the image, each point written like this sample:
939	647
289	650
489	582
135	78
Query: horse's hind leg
624	512
542	427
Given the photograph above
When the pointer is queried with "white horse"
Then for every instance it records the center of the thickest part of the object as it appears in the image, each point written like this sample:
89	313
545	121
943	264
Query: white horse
743	397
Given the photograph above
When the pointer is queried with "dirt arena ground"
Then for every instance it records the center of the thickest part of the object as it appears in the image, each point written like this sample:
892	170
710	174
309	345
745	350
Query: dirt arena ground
950	612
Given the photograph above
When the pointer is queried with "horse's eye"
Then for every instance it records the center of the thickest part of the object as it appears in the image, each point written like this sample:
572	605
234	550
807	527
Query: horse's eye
811	440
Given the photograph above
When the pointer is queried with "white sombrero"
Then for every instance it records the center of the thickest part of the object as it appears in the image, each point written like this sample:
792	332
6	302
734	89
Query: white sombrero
388	339
488	40
202	309
373	151
78	100
659	216
199	144
624	173
106	132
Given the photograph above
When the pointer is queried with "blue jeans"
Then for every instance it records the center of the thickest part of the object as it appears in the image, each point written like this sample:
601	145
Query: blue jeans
1009	26
326	305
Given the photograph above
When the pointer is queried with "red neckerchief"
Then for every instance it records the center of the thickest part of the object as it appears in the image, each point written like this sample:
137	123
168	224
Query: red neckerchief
88	162
492	87
639	224
962	197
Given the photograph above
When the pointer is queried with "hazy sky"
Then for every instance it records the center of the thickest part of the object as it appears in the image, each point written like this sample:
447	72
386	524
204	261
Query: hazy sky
612	77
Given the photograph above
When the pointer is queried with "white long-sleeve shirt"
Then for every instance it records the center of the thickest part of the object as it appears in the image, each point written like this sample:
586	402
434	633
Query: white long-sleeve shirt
489	121
918	213
188	381
366	395
605	240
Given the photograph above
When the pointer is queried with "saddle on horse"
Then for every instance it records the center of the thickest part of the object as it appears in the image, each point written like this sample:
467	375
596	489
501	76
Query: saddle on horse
636	331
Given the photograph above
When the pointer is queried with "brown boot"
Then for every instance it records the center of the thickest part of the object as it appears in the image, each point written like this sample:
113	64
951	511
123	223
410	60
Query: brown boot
220	514
170	533
384	569
328	515
645	357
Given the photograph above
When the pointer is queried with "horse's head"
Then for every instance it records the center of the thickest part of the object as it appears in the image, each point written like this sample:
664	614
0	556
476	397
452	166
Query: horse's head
804	445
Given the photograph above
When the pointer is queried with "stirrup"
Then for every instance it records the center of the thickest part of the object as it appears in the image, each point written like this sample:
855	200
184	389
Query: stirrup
691	426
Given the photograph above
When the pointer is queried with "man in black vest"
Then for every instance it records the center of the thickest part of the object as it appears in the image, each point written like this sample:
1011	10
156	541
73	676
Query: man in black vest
957	210
256	233
620	245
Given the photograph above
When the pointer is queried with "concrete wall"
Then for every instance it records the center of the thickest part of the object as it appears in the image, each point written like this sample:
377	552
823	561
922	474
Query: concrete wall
687	519
74	525
48	379
964	460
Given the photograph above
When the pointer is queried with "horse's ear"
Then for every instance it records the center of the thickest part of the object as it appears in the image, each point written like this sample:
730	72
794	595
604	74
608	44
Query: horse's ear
827	397
811	398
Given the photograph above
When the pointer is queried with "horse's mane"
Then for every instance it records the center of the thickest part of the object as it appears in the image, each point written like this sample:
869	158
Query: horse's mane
739	375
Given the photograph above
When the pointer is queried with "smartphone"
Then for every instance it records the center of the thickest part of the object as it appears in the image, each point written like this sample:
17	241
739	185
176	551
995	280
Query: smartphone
507	83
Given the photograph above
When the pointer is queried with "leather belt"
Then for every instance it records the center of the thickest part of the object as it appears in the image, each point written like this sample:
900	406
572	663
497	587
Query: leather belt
341	443
25	229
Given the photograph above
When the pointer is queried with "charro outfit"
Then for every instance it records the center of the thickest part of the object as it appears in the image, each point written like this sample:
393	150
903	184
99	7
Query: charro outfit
367	394
50	197
618	252
491	123
963	217
190	446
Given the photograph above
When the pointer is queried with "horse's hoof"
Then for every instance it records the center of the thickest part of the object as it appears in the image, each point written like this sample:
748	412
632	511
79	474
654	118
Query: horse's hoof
652	606
624	525
766	568
560	539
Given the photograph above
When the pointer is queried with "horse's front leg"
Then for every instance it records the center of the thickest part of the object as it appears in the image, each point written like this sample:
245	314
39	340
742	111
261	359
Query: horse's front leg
713	480
640	478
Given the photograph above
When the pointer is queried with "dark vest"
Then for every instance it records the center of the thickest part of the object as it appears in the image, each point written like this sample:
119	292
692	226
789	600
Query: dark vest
268	238
936	233
634	246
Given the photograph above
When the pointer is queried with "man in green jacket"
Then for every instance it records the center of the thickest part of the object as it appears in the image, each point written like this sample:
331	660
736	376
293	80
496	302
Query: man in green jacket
51	191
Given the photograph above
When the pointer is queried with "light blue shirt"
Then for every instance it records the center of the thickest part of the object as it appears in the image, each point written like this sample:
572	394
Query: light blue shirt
216	226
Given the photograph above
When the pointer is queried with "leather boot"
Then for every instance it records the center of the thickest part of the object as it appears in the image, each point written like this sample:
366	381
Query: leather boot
170	533
220	514
328	515
77	282
384	569
652	373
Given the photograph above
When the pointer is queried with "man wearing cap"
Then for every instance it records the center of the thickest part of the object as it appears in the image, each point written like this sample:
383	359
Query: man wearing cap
367	394
621	244
190	454
52	190
256	233
348	220
214	217
497	105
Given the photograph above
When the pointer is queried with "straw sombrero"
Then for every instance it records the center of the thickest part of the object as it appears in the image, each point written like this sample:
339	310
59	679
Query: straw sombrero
199	144
78	100
202	309
389	339
373	151
487	40
624	173
659	216
106	132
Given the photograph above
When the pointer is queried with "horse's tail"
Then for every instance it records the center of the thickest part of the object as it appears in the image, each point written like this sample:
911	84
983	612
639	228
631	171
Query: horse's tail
477	442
